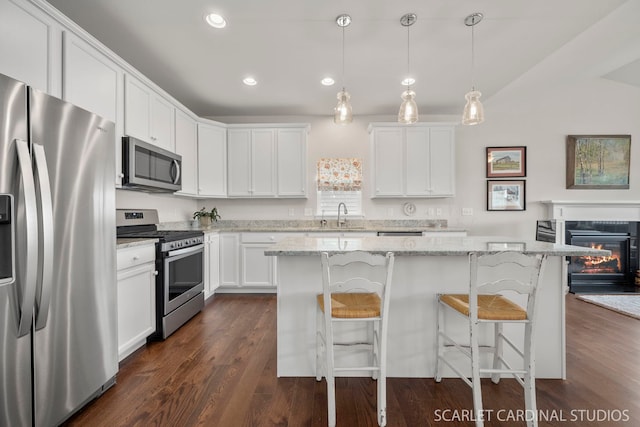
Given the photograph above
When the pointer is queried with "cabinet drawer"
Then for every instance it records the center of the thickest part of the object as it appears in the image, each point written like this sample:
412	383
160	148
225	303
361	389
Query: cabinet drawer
264	237
130	257
259	237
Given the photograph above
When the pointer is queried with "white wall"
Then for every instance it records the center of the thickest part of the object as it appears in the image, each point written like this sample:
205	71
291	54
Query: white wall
170	208
541	120
563	95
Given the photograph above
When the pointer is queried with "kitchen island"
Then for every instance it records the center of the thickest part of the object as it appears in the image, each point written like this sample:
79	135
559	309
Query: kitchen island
424	266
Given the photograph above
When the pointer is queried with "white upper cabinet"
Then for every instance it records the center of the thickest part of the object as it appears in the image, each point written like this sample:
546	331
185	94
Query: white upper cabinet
187	147
212	160
148	116
251	162
30	46
413	161
94	82
292	162
267	161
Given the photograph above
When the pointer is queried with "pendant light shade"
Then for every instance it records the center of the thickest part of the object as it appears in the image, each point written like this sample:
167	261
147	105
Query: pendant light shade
342	113
473	113
408	109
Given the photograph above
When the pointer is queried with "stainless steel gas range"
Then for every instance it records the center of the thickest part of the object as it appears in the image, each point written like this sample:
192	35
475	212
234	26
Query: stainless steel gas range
179	262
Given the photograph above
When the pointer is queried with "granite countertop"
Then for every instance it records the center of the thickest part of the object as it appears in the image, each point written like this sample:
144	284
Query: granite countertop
122	243
352	225
420	246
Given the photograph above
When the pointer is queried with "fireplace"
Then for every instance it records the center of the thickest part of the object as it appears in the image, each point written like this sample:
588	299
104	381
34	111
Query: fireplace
614	273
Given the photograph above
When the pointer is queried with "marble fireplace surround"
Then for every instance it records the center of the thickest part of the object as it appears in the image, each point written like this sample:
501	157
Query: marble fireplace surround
563	211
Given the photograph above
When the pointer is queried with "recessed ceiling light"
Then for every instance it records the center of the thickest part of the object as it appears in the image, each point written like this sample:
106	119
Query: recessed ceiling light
327	81
408	81
215	20
249	81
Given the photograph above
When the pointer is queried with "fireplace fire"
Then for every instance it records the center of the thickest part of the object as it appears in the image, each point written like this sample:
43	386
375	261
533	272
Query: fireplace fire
600	273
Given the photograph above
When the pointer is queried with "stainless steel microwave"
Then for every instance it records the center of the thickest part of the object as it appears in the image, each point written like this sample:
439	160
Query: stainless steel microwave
149	168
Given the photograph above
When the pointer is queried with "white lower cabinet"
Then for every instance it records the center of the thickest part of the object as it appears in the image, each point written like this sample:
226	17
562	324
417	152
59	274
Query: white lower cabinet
229	260
211	263
136	297
244	266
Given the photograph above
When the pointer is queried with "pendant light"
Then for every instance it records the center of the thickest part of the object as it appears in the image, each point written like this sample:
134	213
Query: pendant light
343	114
408	109
473	112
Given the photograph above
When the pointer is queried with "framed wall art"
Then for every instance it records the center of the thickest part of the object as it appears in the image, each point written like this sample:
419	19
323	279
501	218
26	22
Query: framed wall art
598	161
506	162
506	195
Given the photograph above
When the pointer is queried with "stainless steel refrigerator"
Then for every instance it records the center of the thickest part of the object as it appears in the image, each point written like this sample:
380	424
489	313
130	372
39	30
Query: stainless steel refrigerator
58	327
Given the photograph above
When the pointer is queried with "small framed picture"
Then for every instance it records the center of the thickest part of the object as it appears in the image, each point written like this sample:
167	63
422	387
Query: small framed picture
506	195
598	161
506	162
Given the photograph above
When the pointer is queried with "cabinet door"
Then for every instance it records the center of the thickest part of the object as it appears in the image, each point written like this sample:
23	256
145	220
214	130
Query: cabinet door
388	168
187	147
94	82
214	263
292	162
257	269
417	169
137	103
263	163
162	122
30	46
212	161
229	260
442	164
239	164
136	307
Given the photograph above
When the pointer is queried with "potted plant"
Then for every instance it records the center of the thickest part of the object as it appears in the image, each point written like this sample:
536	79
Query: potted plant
206	217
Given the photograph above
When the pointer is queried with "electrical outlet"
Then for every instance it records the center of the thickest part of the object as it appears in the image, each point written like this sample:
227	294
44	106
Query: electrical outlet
431	212
439	212
292	211
467	211
308	212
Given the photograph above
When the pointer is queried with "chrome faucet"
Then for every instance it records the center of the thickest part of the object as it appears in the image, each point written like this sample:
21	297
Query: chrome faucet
343	221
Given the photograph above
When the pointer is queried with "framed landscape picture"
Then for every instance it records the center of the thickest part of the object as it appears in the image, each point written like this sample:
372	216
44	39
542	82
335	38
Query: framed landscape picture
598	161
506	162
506	195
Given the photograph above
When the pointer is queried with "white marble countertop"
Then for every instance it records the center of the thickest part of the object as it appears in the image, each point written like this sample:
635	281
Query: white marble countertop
419	246
122	243
352	226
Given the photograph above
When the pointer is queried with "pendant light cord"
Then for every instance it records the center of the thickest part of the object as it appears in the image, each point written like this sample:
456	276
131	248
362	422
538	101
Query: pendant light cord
408	58
473	60
343	85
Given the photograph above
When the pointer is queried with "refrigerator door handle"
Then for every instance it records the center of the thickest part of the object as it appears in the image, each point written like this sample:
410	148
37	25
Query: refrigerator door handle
28	285
45	270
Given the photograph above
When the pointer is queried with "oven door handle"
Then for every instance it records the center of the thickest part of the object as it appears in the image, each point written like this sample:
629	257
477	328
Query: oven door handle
183	251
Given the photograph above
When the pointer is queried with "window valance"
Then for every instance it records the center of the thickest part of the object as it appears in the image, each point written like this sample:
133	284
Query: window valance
340	174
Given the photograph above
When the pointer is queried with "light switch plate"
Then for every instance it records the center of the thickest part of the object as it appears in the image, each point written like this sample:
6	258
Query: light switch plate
467	211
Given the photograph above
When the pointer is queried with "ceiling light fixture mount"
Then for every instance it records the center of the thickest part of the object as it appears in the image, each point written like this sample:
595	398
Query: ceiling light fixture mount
473	111
342	113
408	109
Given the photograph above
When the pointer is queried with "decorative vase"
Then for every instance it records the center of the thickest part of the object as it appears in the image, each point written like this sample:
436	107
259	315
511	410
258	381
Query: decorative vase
205	221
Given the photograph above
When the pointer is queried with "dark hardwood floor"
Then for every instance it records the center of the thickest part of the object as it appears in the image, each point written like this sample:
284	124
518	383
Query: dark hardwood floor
220	370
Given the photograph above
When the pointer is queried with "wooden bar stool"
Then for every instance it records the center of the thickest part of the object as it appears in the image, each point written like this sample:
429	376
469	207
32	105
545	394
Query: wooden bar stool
490	276
356	288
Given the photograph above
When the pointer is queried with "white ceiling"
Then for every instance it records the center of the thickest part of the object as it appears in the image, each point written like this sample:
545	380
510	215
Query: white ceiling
290	45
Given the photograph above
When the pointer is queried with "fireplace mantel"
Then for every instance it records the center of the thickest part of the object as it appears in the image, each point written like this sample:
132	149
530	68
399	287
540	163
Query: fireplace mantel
572	210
